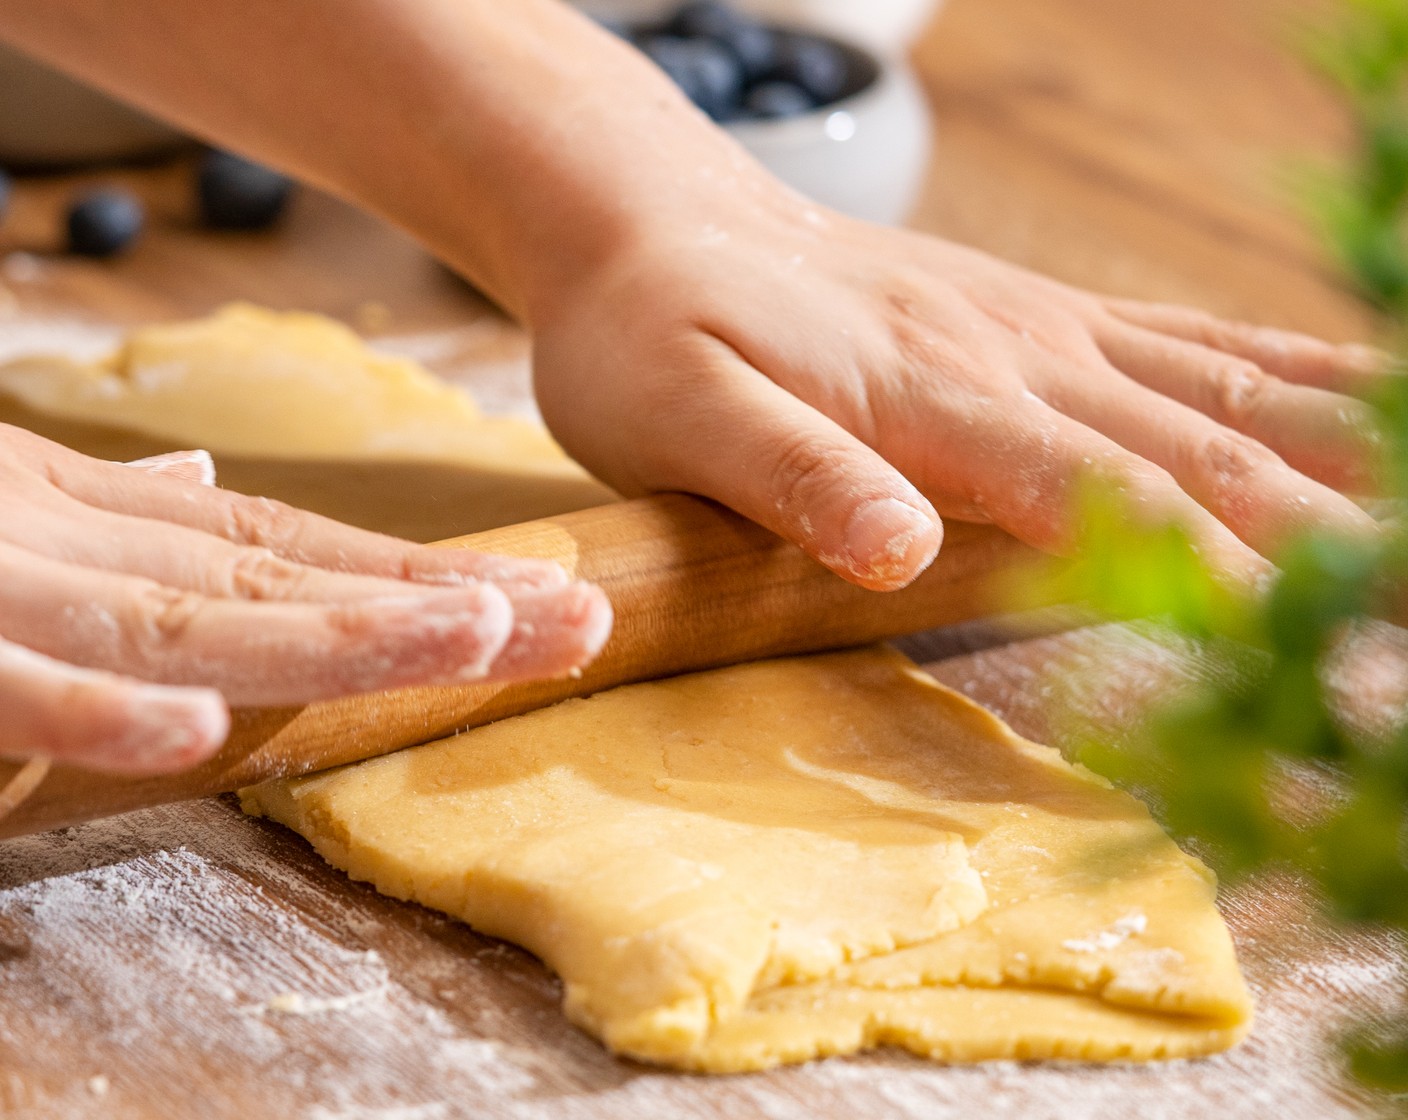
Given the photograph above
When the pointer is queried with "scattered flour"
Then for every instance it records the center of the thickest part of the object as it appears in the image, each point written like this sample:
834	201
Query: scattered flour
29	334
190	937
295	1003
1117	933
496	368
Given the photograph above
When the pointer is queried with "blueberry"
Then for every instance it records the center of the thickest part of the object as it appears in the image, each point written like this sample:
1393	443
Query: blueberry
5	191
702	19
618	27
775	100
104	223
754	45
709	74
819	66
236	193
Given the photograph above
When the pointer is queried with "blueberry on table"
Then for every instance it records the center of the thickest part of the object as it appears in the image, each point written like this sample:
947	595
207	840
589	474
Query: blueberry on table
709	74
104	223
819	66
752	43
776	100
239	194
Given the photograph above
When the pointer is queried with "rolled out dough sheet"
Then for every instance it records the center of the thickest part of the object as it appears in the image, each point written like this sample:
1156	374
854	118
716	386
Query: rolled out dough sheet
778	861
729	870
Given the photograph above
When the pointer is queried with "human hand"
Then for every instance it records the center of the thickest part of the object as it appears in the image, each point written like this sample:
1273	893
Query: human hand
136	602
845	385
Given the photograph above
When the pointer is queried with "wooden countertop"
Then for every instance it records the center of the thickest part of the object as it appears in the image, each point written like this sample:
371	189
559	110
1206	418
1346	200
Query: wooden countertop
1128	145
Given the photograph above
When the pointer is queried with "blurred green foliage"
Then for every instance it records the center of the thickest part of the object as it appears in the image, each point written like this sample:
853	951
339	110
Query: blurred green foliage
1222	758
1362	203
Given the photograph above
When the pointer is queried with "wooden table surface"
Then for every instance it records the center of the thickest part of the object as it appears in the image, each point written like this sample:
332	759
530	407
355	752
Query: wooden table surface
1128	145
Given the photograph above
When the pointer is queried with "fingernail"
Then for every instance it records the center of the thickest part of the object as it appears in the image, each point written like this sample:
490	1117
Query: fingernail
1366	359
890	543
485	615
192	466
174	729
481	606
444	599
555	632
441	639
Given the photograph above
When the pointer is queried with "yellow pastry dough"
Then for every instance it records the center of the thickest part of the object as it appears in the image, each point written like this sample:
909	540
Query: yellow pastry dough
729	870
778	861
247	381
297	407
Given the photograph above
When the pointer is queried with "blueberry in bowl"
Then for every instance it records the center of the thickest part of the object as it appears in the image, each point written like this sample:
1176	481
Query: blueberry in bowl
708	73
838	122
735	67
749	41
768	101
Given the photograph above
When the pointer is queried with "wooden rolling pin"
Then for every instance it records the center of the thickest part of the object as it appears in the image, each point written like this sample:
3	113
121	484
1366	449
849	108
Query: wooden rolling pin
693	586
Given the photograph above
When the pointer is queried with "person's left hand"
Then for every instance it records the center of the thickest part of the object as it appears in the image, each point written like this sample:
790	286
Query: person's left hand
138	603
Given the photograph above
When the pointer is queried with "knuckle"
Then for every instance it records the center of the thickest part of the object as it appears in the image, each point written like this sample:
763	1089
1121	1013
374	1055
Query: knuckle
262	522
1234	456
1233	465
417	564
1238	390
356	622
799	469
158	616
257	573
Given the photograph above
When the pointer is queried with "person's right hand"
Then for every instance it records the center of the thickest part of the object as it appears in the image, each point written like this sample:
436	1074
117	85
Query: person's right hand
847	385
138	601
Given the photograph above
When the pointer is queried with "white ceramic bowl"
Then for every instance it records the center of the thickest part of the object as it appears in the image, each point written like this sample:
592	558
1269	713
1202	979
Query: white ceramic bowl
865	155
49	120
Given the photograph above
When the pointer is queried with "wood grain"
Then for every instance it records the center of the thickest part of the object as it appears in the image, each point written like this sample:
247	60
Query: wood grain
1127	145
1141	149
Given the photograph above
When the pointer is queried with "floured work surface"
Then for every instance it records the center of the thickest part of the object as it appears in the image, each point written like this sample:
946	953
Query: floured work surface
791	859
186	961
191	961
